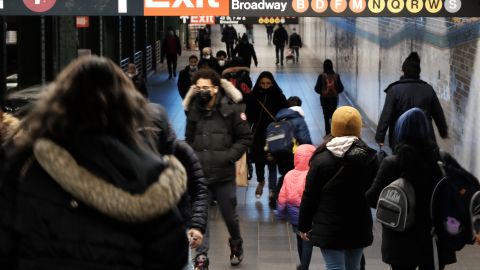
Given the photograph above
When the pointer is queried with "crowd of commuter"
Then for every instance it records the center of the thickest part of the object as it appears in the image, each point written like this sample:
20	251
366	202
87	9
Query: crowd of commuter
80	187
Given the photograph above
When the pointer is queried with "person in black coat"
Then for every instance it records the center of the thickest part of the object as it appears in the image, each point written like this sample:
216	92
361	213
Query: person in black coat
269	28
280	39
328	99
246	51
203	38
295	43
407	93
416	161
82	189
217	129
209	61
185	77
229	36
334	214
266	92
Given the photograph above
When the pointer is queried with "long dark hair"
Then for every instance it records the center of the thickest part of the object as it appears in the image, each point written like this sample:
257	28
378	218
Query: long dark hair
322	147
91	96
328	66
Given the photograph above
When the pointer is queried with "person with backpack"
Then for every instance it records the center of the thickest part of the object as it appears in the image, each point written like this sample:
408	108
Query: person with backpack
239	75
229	36
415	160
266	100
295	44
293	118
280	40
246	51
409	92
334	214
82	187
290	197
203	38
328	86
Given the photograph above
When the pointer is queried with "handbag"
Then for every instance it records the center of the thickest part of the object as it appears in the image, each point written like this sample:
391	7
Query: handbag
241	170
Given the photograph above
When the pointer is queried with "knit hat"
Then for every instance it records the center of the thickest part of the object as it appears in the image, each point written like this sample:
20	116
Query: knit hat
413	127
346	121
411	66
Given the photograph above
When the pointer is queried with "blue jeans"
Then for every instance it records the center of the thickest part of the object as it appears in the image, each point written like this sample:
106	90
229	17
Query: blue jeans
342	259
304	248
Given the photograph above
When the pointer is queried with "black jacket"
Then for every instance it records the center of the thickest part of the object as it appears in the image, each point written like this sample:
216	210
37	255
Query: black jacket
321	84
246	51
219	136
404	95
295	40
413	246
338	214
111	207
177	49
229	35
194	203
184	81
280	37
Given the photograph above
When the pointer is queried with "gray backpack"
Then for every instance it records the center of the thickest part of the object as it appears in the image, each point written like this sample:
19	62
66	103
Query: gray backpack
396	205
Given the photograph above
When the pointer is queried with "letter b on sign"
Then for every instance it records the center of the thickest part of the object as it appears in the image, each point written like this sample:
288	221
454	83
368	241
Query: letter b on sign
300	6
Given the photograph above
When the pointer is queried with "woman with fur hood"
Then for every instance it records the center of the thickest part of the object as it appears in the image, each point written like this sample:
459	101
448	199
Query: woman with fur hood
83	189
341	171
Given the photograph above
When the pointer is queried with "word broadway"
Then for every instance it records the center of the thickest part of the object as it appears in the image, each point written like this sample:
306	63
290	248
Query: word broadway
261	5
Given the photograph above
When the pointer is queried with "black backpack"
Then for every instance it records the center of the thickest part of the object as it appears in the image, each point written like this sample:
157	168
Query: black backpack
455	204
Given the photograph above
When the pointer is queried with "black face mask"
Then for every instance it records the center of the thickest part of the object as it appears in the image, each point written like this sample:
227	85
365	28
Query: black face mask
203	98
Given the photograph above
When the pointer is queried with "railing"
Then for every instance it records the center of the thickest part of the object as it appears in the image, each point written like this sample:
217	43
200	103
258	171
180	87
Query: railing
157	52
138	60
149	58
124	64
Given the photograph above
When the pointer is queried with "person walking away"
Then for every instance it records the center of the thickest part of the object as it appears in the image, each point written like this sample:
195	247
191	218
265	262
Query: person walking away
249	30
328	86
218	131
409	92
280	39
208	61
269	28
290	197
229	36
63	189
415	160
267	99
341	171
138	81
185	77
246	51
203	39
171	47
295	44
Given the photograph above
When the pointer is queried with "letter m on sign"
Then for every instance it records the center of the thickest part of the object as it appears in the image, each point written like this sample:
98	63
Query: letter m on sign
186	7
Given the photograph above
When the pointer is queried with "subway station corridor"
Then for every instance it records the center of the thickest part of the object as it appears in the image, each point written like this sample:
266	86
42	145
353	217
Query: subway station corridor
268	242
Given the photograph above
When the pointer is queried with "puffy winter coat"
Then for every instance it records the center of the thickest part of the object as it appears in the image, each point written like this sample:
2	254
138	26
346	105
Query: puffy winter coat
300	128
338	214
95	203
219	136
293	186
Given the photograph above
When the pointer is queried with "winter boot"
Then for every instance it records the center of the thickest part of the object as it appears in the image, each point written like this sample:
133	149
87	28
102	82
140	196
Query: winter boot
236	251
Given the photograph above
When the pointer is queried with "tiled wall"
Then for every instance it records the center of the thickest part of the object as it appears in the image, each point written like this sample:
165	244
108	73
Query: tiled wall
368	53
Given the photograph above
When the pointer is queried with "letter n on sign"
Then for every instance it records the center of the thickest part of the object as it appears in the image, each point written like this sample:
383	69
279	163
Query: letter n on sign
83	22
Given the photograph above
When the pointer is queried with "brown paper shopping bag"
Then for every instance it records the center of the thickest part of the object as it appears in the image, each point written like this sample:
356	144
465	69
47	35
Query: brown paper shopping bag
241	171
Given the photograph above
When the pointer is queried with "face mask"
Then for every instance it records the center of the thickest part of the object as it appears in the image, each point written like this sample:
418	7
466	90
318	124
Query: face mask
221	62
193	68
206	57
204	97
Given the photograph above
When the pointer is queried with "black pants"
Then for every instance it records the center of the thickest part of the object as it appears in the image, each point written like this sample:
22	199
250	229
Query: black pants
172	64
279	53
229	46
285	164
329	105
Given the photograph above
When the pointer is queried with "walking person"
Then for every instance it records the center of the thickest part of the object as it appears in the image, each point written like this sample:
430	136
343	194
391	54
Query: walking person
249	30
266	101
415	160
328	86
65	203
246	51
269	28
218	131
341	171
229	36
409	92
290	197
280	39
137	80
185	77
171	47
203	39
295	44
209	61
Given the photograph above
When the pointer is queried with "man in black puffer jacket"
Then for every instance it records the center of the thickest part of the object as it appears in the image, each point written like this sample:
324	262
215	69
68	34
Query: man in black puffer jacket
218	131
409	92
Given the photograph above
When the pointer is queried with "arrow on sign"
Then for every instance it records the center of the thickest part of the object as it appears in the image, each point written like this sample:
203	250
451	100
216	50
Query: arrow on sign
122	6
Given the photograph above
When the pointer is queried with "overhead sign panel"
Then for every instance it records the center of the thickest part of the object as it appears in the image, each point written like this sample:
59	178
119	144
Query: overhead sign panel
245	8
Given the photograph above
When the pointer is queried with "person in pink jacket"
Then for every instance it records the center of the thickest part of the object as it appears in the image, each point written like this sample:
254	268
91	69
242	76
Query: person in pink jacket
291	195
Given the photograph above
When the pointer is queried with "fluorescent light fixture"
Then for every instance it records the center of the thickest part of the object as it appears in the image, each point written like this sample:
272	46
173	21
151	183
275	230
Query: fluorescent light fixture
122	6
1	4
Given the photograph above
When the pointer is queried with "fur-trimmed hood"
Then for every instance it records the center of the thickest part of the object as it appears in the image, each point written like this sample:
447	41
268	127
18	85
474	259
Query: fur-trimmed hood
230	91
235	70
7	127
156	199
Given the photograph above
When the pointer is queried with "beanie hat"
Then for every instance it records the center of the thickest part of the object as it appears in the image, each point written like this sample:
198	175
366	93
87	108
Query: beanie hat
411	66
346	121
413	127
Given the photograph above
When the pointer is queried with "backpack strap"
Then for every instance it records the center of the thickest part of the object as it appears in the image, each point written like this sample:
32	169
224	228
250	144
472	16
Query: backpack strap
266	110
333	177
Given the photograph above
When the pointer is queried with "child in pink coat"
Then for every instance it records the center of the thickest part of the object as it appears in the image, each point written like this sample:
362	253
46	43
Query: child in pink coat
291	195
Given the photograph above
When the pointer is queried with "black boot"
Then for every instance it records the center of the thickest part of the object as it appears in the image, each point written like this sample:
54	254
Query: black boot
236	251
